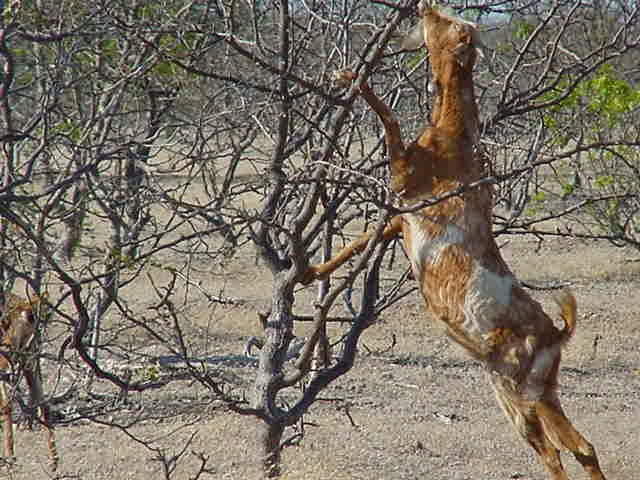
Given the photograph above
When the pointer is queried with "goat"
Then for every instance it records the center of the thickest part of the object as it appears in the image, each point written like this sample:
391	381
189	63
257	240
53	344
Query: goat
17	331
465	282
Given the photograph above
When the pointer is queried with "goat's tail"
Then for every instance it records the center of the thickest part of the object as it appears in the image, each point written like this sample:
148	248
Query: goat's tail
569	313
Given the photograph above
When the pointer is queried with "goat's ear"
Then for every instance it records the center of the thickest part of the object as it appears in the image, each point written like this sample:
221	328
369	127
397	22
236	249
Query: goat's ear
415	38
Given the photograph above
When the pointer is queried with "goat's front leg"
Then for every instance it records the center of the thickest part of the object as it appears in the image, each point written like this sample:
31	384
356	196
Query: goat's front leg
400	168
323	270
388	119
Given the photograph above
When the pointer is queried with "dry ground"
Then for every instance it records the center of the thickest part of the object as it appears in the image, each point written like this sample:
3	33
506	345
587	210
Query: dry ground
419	411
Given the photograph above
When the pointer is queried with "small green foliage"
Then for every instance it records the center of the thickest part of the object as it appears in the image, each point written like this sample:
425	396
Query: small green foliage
152	373
20	52
535	204
172	48
567	189
121	260
608	95
612	214
416	58
605	95
522	29
67	128
538	197
165	69
503	48
25	78
613	207
109	47
604	181
7	14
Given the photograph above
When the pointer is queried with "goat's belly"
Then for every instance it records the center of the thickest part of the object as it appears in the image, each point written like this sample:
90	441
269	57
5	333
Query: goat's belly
471	299
487	300
459	289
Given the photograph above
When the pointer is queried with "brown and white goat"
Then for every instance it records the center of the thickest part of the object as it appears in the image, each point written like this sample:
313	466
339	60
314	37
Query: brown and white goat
465	282
17	333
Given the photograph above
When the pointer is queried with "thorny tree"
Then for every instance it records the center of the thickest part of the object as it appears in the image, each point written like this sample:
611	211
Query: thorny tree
142	140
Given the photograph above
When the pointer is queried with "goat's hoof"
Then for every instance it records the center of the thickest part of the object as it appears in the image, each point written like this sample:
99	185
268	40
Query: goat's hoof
343	78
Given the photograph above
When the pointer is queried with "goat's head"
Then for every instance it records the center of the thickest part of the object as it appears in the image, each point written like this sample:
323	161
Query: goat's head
17	321
445	36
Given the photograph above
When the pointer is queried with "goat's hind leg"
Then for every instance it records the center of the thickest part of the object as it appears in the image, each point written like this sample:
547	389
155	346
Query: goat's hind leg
547	452
556	424
7	423
523	415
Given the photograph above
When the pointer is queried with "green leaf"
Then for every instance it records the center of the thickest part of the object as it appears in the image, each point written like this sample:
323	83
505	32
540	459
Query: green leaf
416	58
538	197
568	189
110	47
604	181
25	78
67	128
523	29
165	69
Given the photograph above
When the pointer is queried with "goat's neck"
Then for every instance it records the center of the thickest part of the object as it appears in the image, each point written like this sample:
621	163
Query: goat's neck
456	111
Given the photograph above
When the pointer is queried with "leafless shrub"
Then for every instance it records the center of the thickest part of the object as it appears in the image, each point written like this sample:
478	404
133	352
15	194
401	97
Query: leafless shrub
112	114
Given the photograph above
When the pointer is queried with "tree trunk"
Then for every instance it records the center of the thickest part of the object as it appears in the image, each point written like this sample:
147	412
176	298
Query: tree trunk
270	440
278	335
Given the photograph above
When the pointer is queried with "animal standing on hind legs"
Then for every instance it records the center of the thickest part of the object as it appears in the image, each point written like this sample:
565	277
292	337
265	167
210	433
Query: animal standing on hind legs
466	284
18	322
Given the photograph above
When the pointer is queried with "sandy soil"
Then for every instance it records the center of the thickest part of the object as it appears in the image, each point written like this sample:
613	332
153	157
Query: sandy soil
420	410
